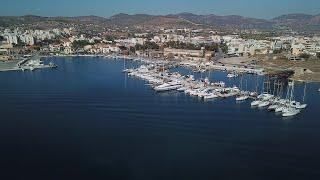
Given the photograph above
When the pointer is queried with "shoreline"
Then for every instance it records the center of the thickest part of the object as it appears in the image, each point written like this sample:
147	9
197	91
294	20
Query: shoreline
258	69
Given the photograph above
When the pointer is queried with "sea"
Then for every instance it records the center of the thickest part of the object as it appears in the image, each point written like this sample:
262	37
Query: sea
88	120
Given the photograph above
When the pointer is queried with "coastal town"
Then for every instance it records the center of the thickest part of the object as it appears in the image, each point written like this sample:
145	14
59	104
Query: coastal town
275	53
198	49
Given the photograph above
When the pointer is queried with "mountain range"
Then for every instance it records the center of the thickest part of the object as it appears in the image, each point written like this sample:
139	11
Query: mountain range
302	22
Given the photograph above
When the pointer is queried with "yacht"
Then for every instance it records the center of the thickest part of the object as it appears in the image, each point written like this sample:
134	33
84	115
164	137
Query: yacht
168	86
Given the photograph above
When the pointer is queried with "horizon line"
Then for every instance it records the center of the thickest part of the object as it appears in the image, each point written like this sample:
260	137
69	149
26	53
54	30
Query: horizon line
132	14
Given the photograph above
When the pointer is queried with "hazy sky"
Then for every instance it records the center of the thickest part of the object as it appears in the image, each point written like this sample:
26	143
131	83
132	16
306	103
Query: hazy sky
106	8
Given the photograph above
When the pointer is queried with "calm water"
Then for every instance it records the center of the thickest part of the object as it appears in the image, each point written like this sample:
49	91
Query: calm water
88	120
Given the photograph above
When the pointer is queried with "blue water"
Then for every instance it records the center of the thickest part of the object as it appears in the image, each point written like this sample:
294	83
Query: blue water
87	120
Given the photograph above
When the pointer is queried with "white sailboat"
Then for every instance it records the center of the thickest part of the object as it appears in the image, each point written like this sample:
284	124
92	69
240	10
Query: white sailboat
243	95
265	96
278	88
288	109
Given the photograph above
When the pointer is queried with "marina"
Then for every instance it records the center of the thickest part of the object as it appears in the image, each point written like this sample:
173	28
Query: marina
163	80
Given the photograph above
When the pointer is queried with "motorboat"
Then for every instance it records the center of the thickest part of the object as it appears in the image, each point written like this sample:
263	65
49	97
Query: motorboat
242	97
168	86
210	96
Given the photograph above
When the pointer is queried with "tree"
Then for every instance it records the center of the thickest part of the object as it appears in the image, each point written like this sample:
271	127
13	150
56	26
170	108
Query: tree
110	38
147	45
182	45
80	44
210	46
224	48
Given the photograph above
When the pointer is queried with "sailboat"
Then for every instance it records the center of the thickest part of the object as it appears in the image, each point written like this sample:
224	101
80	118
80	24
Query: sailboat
277	91
298	105
124	66
257	100
289	110
243	95
263	99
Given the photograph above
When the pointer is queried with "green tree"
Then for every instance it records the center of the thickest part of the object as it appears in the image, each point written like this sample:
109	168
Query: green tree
80	44
182	45
147	45
224	48
211	47
110	38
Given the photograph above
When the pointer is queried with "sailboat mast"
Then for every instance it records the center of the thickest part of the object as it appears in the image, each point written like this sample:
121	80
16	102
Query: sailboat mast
304	92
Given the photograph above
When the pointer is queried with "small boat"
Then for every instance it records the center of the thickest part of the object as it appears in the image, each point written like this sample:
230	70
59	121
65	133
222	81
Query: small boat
253	94
210	96
232	75
242	98
127	70
52	65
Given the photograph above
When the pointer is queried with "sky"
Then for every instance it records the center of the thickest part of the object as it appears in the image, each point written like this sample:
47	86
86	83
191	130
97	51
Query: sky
266	9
